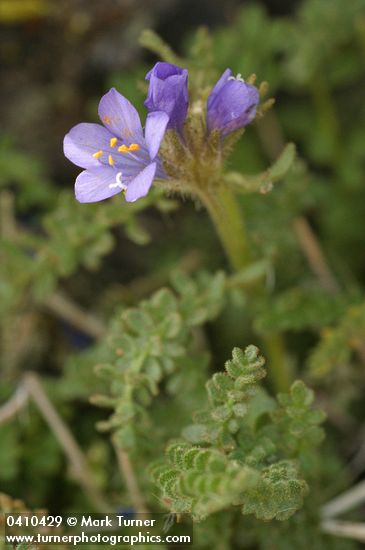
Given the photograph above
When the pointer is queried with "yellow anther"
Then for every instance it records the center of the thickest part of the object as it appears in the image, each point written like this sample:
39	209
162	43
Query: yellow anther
113	141
123	149
111	160
98	154
134	147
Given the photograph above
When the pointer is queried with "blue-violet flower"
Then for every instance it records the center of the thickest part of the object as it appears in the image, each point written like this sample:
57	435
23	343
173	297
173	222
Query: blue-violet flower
168	92
116	156
231	104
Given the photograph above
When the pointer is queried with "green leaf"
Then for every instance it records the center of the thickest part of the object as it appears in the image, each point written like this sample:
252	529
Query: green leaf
263	182
248	451
196	434
278	495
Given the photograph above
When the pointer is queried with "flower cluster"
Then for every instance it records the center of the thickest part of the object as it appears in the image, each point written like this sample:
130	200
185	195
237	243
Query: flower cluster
119	157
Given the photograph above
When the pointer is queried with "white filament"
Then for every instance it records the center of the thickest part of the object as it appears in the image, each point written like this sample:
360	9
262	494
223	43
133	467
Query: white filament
237	77
118	183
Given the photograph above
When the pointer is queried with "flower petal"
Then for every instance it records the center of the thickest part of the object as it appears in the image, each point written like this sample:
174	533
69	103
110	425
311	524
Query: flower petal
96	184
164	70
82	141
120	117
231	105
219	85
156	124
141	184
168	92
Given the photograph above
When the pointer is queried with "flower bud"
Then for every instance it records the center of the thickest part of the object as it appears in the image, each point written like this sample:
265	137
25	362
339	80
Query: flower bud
168	92
231	104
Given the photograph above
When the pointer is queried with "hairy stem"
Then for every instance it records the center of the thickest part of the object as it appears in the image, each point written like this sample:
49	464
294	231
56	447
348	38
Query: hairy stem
228	220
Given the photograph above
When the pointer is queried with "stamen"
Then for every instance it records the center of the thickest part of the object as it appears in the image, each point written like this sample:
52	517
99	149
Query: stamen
237	77
123	149
106	119
113	141
134	147
111	160
98	154
118	183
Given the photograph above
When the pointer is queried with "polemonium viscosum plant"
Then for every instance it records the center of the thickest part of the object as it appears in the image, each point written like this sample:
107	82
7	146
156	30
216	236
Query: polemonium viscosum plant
246	451
196	144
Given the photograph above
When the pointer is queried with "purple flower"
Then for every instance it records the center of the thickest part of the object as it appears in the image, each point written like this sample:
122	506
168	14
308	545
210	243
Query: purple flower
168	92
116	156
231	104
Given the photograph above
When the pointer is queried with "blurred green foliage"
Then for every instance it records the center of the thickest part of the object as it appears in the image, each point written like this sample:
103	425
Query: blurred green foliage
151	344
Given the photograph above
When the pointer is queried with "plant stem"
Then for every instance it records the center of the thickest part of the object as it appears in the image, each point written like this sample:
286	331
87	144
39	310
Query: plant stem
348	529
126	468
228	220
70	312
346	501
70	446
15	404
279	369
